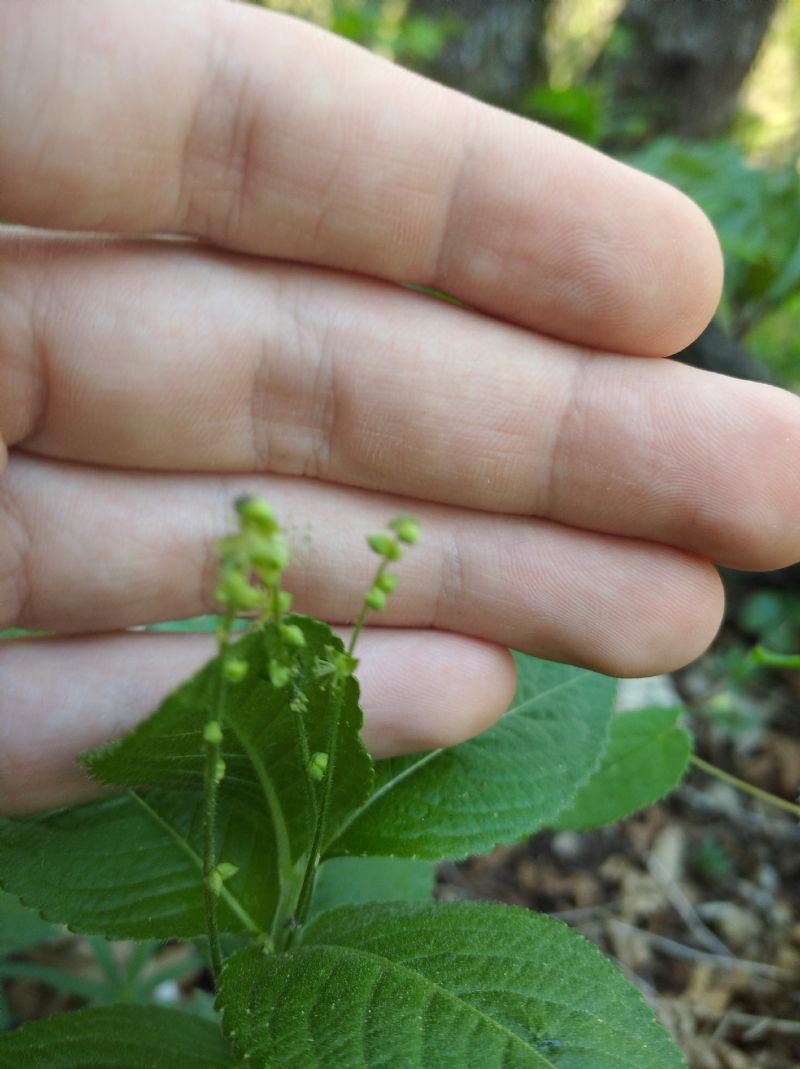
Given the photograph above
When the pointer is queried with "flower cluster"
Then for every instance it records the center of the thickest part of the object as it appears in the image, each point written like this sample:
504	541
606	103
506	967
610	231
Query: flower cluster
405	530
251	566
252	561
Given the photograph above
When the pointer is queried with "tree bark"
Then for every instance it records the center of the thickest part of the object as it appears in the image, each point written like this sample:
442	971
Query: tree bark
681	63
497	49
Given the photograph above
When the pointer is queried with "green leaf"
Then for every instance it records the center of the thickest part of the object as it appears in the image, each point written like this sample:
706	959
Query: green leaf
129	867
439	987
21	927
646	756
346	881
496	788
118	1037
262	745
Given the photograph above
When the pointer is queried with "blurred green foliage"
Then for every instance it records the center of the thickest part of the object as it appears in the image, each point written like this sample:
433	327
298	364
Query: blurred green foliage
711	861
756	211
772	619
576	110
414	39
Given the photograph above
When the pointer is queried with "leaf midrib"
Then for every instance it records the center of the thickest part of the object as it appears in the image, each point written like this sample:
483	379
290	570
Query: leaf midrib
426	759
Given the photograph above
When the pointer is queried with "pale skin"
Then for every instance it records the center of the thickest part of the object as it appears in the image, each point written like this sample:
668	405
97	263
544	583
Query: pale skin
573	490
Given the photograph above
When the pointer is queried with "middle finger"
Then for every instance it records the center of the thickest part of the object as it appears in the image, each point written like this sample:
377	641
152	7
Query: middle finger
170	356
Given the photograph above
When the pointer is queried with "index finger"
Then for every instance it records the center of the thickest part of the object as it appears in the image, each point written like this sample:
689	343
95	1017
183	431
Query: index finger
260	133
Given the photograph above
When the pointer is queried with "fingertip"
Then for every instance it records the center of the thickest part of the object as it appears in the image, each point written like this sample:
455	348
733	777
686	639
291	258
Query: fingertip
423	690
673	623
692	286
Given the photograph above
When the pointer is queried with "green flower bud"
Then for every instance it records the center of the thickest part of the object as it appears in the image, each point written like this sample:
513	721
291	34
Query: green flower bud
386	583
212	733
236	593
284	601
219	770
318	766
376	599
256	511
279	674
227	870
384	546
214	882
269	574
406	528
292	635
271	552
234	669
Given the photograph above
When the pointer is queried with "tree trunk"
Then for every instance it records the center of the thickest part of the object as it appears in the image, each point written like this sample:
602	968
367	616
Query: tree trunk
680	63
496	49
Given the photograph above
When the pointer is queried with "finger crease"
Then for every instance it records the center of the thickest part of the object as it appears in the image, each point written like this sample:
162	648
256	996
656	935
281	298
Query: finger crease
442	246
323	413
564	423
451	582
16	571
260	436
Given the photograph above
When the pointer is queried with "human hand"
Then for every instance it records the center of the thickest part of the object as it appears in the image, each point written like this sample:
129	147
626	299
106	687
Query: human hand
571	498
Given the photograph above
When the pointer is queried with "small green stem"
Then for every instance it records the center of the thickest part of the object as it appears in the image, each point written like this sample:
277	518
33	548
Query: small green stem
747	788
771	659
307	887
230	901
359	624
211	785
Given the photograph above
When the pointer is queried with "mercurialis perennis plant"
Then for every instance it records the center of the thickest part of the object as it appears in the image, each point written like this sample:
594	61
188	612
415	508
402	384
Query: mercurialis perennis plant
247	815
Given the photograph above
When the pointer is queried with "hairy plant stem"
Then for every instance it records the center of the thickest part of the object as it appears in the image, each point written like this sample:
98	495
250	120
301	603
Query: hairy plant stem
300	728
231	902
337	695
314	854
747	788
210	791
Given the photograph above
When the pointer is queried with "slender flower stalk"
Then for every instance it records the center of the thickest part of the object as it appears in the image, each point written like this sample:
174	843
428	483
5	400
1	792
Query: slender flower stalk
340	666
213	772
251	564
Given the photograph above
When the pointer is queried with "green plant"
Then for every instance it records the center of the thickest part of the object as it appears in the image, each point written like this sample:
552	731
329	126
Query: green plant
251	815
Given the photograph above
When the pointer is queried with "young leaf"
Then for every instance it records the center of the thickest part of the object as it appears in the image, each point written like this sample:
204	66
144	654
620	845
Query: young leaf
496	788
118	1037
349	881
646	756
129	867
438	987
262	748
